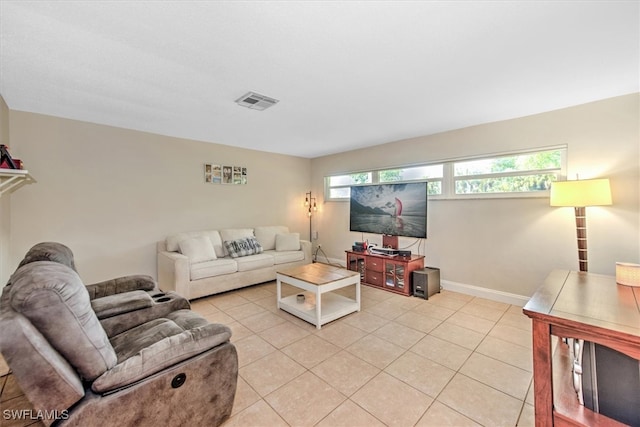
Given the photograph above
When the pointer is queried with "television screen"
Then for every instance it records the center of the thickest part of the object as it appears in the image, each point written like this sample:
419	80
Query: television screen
394	209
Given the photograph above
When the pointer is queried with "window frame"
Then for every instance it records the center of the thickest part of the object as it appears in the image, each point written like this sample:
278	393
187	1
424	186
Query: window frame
448	179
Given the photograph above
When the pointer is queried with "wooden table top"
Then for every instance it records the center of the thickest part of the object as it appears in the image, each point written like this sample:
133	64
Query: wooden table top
318	273
594	301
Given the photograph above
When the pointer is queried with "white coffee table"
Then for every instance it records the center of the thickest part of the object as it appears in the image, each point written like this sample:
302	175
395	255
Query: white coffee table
320	305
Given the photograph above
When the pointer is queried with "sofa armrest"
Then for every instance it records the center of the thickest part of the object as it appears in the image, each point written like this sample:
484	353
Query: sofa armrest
174	273
305	245
120	285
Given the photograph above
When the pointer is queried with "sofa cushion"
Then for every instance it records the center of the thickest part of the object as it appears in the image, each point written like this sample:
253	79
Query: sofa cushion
52	296
213	268
253	262
288	242
243	247
266	235
230	234
284	257
198	249
152	347
173	240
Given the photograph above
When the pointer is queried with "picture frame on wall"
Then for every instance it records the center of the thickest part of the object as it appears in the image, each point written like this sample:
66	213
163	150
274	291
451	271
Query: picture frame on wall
227	174
224	174
207	173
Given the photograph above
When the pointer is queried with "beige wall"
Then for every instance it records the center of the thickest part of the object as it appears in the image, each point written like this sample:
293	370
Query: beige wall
5	202
511	245
110	194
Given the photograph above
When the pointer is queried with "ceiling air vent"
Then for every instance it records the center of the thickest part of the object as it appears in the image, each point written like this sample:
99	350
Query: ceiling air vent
256	101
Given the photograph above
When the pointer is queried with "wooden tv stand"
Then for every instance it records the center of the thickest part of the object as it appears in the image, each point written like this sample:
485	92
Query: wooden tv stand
581	305
389	273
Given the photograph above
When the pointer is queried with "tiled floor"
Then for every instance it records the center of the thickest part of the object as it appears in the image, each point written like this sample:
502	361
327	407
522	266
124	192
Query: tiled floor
453	360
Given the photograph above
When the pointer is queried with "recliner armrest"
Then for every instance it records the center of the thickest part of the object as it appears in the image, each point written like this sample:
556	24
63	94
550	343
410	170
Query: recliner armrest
116	304
120	285
189	335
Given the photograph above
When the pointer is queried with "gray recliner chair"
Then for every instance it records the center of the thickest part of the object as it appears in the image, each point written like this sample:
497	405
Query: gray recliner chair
174	370
119	303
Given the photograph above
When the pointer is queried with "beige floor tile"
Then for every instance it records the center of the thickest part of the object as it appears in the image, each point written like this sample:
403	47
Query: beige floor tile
345	372
418	321
519	321
448	300
268	303
386	310
406	303
305	401
474	323
251	349
254	293
483	404
376	351
392	401
399	335
262	321
219	317
485	311
203	307
443	352
511	334
376	294
283	334
310	350
433	310
366	321
271	372
507	352
423	374
456	295
527	416
348	414
499	375
340	334
497	305
245	310
227	300
18	414
458	335
10	390
238	331
245	396
260	414
439	415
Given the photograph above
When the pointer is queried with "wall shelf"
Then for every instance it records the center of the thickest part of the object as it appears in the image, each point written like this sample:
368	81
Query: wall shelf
12	179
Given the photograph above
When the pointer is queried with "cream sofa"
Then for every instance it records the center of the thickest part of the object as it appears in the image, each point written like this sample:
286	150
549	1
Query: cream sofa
199	263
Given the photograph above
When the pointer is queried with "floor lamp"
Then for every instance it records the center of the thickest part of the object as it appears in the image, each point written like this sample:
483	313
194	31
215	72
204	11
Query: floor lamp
579	194
310	204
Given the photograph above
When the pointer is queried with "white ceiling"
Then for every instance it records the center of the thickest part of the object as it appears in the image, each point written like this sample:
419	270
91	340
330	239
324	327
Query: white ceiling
348	74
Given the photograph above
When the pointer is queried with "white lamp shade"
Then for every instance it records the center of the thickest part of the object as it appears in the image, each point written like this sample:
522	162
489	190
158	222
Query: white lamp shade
627	274
581	193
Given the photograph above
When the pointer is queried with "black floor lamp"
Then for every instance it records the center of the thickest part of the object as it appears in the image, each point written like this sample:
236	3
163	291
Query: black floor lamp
310	204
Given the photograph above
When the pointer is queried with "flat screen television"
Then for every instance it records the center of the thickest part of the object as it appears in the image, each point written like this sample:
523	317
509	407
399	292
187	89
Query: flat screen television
397	209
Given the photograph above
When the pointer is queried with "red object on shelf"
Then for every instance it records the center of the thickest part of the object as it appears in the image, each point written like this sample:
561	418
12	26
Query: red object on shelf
5	164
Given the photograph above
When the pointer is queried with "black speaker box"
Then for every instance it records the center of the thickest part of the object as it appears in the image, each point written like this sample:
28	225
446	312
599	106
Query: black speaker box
426	282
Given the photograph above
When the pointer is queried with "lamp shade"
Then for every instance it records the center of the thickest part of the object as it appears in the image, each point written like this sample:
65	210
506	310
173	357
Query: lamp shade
580	193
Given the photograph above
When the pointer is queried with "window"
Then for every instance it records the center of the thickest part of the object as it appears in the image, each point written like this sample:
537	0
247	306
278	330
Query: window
519	173
523	174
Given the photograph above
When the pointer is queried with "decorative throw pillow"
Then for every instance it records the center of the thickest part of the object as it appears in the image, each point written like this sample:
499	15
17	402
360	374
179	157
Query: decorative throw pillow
198	249
288	242
243	247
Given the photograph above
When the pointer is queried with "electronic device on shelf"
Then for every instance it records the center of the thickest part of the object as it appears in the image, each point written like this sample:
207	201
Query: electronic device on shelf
384	251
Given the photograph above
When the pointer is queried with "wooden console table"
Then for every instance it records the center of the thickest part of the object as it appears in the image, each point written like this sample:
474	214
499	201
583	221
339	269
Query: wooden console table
388	273
585	306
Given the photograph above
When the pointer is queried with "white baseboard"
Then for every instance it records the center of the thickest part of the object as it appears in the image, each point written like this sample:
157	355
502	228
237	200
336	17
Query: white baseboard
476	291
492	294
